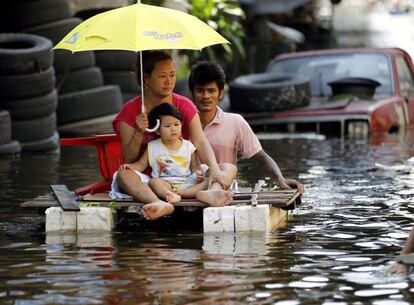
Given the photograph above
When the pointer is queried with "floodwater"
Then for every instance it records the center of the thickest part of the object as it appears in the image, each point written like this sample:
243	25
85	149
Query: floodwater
355	215
354	218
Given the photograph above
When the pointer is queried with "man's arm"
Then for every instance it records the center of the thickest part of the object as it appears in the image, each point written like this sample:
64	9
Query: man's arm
206	153
272	169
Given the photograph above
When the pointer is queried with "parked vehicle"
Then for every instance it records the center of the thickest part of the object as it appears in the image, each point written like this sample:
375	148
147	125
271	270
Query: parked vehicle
352	92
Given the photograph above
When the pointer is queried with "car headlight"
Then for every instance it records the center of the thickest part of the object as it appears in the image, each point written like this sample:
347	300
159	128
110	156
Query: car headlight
359	129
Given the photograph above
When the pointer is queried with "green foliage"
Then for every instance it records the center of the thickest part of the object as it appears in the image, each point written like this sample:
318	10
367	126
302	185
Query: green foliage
225	17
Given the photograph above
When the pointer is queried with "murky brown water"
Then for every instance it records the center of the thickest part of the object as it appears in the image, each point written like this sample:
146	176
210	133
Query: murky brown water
354	218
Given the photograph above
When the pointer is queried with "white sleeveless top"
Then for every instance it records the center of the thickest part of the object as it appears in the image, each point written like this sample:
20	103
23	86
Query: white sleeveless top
172	166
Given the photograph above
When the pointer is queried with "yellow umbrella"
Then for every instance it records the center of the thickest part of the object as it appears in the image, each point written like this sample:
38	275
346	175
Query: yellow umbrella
140	27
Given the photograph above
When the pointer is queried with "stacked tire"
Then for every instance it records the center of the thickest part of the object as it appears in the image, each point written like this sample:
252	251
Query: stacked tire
7	145
27	90
118	69
85	105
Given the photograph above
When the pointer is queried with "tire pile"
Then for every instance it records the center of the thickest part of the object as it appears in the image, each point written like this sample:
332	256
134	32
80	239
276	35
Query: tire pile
27	92
85	105
7	145
118	69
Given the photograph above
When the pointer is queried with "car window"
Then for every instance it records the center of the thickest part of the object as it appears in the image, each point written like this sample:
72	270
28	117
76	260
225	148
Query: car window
406	79
322	69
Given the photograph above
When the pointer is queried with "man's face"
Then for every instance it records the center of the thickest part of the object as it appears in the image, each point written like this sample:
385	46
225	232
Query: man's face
206	97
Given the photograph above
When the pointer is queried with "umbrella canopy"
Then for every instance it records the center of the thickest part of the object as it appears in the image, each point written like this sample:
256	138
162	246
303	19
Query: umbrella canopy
140	27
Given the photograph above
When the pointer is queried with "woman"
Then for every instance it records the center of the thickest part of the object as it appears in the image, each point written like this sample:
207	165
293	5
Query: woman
130	124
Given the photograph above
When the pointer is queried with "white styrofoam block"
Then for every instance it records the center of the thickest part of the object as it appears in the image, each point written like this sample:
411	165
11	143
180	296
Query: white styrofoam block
220	219
252	218
59	220
261	218
96	219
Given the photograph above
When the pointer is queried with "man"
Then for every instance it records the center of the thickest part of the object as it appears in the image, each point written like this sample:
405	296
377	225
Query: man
229	133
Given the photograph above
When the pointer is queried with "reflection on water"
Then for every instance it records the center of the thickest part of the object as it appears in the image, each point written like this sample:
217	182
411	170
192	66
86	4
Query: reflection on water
355	216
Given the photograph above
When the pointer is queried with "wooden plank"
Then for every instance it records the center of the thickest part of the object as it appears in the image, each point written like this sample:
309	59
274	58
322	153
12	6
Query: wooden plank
66	198
279	198
39	204
282	194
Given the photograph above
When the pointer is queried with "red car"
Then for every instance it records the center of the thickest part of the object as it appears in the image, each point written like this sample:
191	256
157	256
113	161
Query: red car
340	92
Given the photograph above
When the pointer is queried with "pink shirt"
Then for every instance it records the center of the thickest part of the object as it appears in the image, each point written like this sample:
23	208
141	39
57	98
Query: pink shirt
228	134
132	108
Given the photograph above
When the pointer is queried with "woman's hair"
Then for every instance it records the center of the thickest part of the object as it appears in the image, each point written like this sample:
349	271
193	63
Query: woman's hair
204	72
149	60
164	109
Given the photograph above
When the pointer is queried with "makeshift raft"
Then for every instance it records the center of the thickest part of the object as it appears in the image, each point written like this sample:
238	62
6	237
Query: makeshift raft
249	211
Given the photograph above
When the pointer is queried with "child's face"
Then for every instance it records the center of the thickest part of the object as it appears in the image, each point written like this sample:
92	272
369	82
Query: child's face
170	128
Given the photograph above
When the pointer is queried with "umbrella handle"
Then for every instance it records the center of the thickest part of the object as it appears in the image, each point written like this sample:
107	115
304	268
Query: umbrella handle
142	93
155	128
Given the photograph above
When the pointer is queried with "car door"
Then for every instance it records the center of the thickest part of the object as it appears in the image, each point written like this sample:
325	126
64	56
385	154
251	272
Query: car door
406	85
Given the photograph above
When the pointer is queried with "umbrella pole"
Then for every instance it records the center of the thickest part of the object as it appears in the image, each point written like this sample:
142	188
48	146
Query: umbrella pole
142	91
142	82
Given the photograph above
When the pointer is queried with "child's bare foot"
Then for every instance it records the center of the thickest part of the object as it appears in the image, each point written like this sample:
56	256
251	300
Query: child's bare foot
155	210
215	198
172	197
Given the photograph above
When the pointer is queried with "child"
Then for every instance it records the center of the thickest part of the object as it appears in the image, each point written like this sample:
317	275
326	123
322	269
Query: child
175	169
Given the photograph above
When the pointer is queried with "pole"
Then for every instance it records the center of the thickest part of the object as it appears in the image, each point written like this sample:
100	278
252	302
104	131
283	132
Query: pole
142	90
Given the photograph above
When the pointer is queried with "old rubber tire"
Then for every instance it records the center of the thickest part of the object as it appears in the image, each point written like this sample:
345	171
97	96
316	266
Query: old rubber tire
79	80
268	92
31	108
66	61
5	127
126	80
24	53
34	130
55	30
27	85
86	104
50	144
116	60
11	148
19	14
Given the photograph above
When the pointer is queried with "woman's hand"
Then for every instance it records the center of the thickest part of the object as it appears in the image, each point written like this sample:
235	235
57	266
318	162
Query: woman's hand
218	176
142	122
